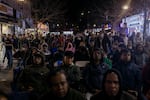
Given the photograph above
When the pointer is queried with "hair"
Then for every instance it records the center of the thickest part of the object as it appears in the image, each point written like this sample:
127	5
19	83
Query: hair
42	58
101	52
109	72
53	73
125	51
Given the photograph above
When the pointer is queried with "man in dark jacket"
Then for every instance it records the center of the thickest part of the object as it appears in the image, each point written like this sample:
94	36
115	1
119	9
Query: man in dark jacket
93	72
59	87
32	78
112	88
130	72
73	71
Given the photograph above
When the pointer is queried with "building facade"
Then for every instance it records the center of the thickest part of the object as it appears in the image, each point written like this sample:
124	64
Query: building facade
15	17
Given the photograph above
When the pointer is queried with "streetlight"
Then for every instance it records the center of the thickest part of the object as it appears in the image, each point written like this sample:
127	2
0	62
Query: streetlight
21	1
125	7
21	11
145	19
57	25
82	13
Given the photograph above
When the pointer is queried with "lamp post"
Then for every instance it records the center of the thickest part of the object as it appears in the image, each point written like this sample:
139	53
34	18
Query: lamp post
145	19
21	10
125	8
21	1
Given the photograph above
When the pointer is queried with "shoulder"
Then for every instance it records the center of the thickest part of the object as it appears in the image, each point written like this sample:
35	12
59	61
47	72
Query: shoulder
98	96
128	96
135	67
105	66
46	96
75	67
75	95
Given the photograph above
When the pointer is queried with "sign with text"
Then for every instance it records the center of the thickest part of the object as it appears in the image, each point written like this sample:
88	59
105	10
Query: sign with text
4	9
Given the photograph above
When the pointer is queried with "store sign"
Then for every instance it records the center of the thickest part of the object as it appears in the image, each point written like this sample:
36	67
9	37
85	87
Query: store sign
4	9
135	20
135	23
68	32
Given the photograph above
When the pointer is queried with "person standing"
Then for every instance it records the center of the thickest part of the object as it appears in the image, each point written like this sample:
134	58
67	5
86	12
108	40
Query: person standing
9	47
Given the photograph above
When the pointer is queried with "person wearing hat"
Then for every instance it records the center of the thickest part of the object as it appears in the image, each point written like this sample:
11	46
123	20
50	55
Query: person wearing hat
71	69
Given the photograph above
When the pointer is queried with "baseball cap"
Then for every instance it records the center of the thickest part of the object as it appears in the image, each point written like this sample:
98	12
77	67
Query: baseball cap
69	53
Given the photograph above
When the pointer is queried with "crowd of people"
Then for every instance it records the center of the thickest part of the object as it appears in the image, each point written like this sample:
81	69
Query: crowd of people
118	66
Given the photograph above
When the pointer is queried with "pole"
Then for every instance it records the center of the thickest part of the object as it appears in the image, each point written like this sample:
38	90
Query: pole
145	19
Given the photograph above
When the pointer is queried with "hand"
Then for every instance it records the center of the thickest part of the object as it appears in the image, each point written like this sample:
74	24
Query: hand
30	88
95	91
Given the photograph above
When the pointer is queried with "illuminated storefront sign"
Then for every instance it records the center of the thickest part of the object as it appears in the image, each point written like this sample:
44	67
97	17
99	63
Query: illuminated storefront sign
4	9
134	23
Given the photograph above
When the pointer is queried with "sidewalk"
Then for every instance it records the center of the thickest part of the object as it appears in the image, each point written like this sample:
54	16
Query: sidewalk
6	77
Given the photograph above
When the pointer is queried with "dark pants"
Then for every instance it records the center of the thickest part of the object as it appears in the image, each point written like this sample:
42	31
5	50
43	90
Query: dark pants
9	57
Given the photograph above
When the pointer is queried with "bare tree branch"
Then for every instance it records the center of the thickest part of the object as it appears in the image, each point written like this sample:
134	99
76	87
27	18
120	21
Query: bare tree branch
48	10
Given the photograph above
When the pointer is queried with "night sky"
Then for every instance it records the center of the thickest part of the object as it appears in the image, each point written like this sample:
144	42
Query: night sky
75	7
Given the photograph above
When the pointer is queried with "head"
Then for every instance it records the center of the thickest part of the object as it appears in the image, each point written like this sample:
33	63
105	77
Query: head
129	44
112	82
38	59
139	48
68	58
25	47
97	54
138	34
125	55
34	50
121	47
45	47
9	36
101	35
92	43
57	80
115	46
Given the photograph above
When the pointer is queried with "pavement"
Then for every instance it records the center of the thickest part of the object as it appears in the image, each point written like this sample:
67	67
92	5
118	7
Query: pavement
6	77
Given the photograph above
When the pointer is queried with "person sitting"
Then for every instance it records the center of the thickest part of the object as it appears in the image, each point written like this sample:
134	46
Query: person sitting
46	52
32	78
93	72
112	88
130	72
59	87
73	71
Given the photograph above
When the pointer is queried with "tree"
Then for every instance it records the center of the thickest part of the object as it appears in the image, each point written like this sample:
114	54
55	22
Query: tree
110	11
48	10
